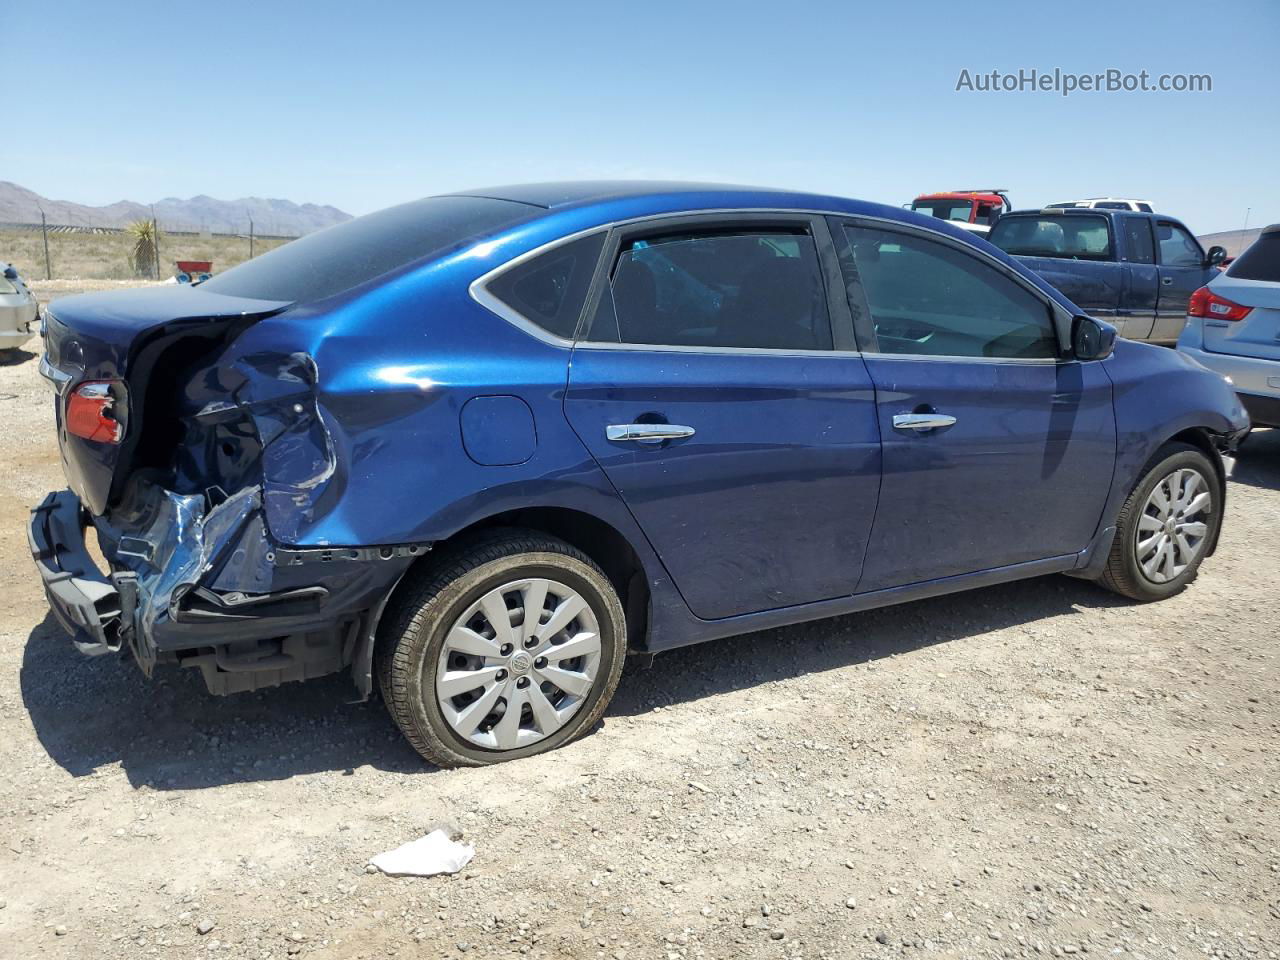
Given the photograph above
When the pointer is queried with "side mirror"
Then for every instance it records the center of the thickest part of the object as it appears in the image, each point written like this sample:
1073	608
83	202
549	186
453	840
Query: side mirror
1216	256
10	273
1091	339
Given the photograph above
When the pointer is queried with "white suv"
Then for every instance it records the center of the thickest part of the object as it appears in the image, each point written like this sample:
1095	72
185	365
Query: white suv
1233	327
1108	203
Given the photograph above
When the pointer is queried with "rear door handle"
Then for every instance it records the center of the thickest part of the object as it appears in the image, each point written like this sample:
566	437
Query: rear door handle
647	432
921	421
1167	281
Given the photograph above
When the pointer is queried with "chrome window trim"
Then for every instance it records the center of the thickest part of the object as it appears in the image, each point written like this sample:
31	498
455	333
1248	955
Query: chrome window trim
60	380
479	291
479	288
1016	361
687	348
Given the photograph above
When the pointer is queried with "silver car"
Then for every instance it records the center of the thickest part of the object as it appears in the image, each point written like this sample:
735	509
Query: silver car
1233	327
18	309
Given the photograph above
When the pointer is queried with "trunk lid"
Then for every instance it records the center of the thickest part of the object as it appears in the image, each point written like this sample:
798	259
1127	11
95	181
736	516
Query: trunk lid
1258	334
122	337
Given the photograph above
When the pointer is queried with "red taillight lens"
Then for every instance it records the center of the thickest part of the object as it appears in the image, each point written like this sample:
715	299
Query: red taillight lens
1206	303
89	413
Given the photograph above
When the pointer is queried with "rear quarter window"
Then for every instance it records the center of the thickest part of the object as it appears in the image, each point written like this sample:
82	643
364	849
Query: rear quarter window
331	261
1078	237
550	288
1260	262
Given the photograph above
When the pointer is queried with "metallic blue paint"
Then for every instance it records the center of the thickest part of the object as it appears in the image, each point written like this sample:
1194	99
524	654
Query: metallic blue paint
795	498
770	502
1021	475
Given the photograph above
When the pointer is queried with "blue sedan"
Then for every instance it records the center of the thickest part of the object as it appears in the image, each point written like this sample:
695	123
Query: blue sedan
478	448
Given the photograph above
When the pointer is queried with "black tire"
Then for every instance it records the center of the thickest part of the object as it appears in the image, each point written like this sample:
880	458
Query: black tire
416	624
1123	573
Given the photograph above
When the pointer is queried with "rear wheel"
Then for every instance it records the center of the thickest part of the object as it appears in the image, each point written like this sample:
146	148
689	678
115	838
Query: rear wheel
510	647
1166	526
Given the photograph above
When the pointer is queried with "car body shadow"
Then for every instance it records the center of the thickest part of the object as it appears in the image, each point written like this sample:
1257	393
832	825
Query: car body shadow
14	356
169	733
1258	461
735	663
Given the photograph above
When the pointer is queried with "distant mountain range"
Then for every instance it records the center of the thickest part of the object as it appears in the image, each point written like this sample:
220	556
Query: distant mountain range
270	216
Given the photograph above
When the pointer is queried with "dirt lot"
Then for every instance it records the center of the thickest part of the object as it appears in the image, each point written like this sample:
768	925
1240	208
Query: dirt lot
106	255
1037	768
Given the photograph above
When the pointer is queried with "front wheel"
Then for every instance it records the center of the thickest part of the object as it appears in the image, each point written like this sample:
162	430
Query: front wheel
510	647
1166	527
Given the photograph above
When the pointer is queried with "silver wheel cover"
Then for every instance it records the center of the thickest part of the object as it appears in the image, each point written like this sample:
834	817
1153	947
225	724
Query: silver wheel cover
1173	526
518	664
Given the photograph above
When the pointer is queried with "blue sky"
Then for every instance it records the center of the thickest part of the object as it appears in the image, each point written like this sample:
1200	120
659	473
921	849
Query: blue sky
367	104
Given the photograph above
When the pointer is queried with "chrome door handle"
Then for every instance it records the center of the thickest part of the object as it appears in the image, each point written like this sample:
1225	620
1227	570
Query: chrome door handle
921	421
647	432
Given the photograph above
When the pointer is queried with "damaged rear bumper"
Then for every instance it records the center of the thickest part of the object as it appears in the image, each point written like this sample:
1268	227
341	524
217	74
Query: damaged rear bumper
203	586
83	600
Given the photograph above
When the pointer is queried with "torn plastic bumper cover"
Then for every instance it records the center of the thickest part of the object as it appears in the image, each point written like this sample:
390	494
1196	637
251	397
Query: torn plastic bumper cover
200	584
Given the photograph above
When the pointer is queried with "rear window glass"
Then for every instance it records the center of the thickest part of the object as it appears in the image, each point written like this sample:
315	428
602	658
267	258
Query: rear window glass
1075	237
322	264
550	289
1260	262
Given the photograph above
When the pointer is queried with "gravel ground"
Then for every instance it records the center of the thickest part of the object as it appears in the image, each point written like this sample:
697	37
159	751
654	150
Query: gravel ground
1036	768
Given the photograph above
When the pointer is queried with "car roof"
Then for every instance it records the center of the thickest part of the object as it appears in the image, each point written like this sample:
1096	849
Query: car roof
578	205
618	199
1089	212
961	194
579	192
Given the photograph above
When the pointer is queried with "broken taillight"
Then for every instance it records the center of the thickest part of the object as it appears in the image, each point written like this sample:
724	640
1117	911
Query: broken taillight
89	413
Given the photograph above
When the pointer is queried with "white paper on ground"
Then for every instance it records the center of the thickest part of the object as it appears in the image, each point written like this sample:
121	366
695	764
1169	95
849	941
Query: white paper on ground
425	857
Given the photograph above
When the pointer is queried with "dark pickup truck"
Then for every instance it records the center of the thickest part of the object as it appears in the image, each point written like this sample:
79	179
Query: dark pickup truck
1135	270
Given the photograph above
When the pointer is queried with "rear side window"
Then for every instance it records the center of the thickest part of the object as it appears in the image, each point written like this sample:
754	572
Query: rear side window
1260	262
929	299
1112	205
750	289
1137	234
1145	208
323	264
549	289
1079	237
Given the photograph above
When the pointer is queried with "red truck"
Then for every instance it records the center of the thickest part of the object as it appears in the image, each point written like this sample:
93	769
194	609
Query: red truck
974	210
